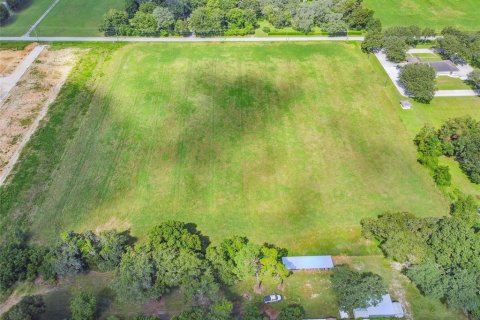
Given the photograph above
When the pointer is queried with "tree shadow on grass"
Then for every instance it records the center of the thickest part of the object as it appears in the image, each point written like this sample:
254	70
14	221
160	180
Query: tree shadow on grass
223	108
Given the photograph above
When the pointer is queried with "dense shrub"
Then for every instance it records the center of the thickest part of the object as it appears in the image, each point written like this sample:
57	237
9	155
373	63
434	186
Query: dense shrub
395	48
292	312
213	17
4	13
354	289
444	261
18	261
460	47
83	306
77	252
442	176
17	5
113	22
419	81
29	308
474	78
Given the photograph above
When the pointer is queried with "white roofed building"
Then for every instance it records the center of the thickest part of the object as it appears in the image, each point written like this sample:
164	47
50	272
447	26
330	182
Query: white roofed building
385	309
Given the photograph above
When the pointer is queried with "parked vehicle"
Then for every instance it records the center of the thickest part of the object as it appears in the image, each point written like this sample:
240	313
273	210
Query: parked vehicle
272	298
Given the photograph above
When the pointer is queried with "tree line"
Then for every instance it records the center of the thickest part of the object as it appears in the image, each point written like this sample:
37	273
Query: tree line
174	256
234	17
440	255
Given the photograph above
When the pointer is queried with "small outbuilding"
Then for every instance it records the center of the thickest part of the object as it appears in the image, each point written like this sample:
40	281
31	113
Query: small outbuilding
405	104
308	262
384	309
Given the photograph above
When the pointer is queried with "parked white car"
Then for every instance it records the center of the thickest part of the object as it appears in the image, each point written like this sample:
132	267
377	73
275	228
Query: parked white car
272	298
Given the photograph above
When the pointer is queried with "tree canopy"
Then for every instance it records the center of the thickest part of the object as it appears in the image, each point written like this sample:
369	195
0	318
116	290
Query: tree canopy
355	289
29	308
419	81
444	260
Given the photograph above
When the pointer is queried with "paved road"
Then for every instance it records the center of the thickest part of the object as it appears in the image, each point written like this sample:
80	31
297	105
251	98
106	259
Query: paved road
172	39
9	82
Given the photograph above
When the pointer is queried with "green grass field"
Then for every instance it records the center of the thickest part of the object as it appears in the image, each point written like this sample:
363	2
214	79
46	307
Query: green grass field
77	18
427	13
20	22
427	56
286	143
449	83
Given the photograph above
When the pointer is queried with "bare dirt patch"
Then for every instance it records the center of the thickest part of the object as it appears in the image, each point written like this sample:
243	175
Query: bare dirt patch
28	101
10	59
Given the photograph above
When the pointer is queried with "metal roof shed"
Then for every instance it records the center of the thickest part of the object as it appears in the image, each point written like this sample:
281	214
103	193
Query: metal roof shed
386	308
308	262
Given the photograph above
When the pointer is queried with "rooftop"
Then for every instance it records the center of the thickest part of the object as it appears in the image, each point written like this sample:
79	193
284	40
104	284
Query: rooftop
443	66
386	308
308	262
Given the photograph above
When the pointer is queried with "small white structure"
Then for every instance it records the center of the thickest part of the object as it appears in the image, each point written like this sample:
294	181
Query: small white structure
308	263
405	104
384	309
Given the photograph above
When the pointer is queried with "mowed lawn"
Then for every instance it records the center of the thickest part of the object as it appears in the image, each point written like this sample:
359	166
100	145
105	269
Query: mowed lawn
77	18
427	13
20	22
291	144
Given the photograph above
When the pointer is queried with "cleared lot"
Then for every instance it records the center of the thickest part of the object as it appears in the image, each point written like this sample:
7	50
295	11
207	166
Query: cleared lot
249	139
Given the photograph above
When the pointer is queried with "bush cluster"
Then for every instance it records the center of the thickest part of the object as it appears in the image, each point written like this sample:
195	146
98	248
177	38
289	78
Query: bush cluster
395	40
4	13
17	5
459	46
71	254
214	17
458	137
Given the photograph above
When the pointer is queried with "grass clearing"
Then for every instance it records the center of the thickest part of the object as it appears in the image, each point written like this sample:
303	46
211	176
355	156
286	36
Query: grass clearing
433	14
450	83
77	18
435	114
248	139
21	21
427	56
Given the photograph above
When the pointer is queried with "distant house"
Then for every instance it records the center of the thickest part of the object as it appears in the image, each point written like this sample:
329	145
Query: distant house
386	309
445	67
405	104
308	262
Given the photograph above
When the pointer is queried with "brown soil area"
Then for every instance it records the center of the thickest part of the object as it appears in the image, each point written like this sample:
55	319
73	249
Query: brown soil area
9	59
29	99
